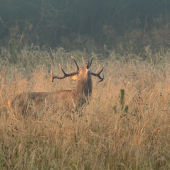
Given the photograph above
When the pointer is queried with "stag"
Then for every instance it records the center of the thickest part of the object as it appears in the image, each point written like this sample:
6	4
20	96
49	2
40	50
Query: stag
65	99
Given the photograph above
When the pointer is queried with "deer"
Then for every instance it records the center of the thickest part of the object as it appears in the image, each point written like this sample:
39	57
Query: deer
65	99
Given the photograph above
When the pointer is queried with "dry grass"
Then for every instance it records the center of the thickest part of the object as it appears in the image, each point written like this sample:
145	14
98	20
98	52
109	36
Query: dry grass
105	135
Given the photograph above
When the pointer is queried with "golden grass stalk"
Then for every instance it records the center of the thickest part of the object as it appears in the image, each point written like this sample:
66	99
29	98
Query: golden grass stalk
96	137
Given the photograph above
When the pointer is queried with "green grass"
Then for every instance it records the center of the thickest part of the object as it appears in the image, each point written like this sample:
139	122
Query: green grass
118	129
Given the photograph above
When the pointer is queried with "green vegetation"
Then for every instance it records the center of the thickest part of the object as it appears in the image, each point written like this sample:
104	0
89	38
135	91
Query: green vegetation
97	26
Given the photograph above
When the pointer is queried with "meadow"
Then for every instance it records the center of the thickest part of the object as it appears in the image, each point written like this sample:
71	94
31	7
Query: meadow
124	126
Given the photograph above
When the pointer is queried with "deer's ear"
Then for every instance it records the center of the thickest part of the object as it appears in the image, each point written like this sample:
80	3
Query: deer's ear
75	77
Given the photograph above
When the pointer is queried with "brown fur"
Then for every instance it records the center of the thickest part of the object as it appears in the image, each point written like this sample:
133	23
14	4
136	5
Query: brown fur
65	100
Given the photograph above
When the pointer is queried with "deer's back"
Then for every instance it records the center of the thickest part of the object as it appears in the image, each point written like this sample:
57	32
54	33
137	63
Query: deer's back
65	100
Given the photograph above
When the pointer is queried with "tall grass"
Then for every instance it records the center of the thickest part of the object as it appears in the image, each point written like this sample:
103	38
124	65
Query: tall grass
125	125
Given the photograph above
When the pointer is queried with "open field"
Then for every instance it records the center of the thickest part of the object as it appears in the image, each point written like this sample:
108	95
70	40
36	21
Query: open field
125	125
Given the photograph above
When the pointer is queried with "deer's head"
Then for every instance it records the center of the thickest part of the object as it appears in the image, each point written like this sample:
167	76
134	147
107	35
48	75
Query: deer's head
83	75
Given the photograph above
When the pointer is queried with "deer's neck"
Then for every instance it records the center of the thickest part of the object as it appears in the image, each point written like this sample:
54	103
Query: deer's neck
83	88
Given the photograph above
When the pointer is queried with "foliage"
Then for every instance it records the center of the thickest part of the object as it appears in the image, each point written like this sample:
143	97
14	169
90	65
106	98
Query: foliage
88	25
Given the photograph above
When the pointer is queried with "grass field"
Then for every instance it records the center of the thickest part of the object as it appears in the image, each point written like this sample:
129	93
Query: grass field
125	125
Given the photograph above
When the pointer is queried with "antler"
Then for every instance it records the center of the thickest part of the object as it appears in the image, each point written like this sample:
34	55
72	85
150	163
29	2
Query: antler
98	75
91	61
65	74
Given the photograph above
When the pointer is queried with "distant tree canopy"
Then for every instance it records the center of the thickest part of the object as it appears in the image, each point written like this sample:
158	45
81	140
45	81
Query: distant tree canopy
57	22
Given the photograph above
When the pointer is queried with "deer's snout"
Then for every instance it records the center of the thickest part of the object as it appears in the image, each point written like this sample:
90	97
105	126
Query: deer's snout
88	64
